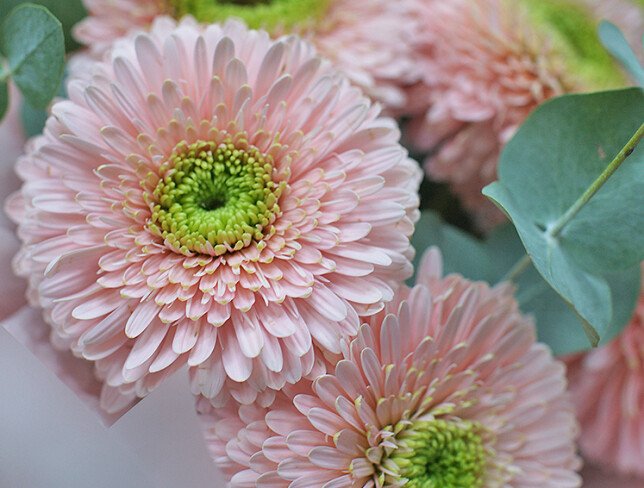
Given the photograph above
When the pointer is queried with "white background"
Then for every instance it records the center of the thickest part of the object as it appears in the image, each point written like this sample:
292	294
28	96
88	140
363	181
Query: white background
50	439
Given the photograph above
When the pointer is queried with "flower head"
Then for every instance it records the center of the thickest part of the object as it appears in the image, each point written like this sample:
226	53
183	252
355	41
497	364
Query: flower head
209	196
486	65
607	385
444	388
369	40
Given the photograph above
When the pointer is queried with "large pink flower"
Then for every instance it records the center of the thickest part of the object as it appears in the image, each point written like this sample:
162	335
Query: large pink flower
487	64
369	40
607	385
446	387
212	197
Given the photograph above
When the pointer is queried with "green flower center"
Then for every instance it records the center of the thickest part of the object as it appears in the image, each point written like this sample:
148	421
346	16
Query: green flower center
215	198
268	14
441	454
573	31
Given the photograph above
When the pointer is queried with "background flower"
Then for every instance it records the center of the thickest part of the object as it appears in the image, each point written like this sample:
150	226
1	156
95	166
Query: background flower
215	198
487	64
12	140
607	385
369	40
446	387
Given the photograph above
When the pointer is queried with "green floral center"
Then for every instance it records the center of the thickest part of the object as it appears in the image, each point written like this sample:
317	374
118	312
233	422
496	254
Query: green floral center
572	29
215	198
268	14
441	454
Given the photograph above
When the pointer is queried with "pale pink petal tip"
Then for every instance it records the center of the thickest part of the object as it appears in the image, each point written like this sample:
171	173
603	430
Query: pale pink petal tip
369	41
448	359
211	197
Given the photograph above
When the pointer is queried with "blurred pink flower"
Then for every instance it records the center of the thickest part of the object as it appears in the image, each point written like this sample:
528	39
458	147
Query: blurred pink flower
212	197
12	140
446	387
607	385
487	64
369	40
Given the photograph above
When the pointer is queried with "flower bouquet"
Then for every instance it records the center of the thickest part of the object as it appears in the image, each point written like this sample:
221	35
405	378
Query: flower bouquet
370	243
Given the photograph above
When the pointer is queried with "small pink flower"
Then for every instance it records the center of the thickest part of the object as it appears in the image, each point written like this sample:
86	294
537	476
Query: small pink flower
446	387
212	197
487	64
607	385
370	41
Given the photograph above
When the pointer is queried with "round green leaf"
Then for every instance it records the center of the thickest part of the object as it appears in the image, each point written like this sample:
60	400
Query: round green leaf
33	43
615	42
69	12
556	155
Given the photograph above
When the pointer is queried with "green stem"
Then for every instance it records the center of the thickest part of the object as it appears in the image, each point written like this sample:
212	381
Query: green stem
626	151
520	266
524	263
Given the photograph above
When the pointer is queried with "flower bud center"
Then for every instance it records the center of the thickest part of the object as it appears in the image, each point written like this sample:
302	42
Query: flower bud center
441	454
572	30
268	14
215	198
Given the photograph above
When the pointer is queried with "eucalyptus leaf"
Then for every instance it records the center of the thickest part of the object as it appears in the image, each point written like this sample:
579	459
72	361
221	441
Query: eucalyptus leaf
614	41
69	12
492	259
462	253
4	98
34	119
32	41
559	152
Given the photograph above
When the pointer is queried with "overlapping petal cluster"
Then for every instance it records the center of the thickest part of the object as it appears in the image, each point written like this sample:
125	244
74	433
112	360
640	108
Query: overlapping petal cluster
369	40
486	65
212	197
607	385
446	387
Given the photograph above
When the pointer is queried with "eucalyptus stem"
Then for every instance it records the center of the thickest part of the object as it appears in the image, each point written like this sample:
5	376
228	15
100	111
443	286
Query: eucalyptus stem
517	270
626	151
522	264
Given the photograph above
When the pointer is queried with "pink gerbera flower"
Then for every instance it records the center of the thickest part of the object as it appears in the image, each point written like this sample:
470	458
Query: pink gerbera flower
486	65
369	40
445	388
607	385
212	197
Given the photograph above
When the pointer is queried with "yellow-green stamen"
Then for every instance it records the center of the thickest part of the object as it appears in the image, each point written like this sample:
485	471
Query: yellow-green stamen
441	454
572	30
215	198
267	14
